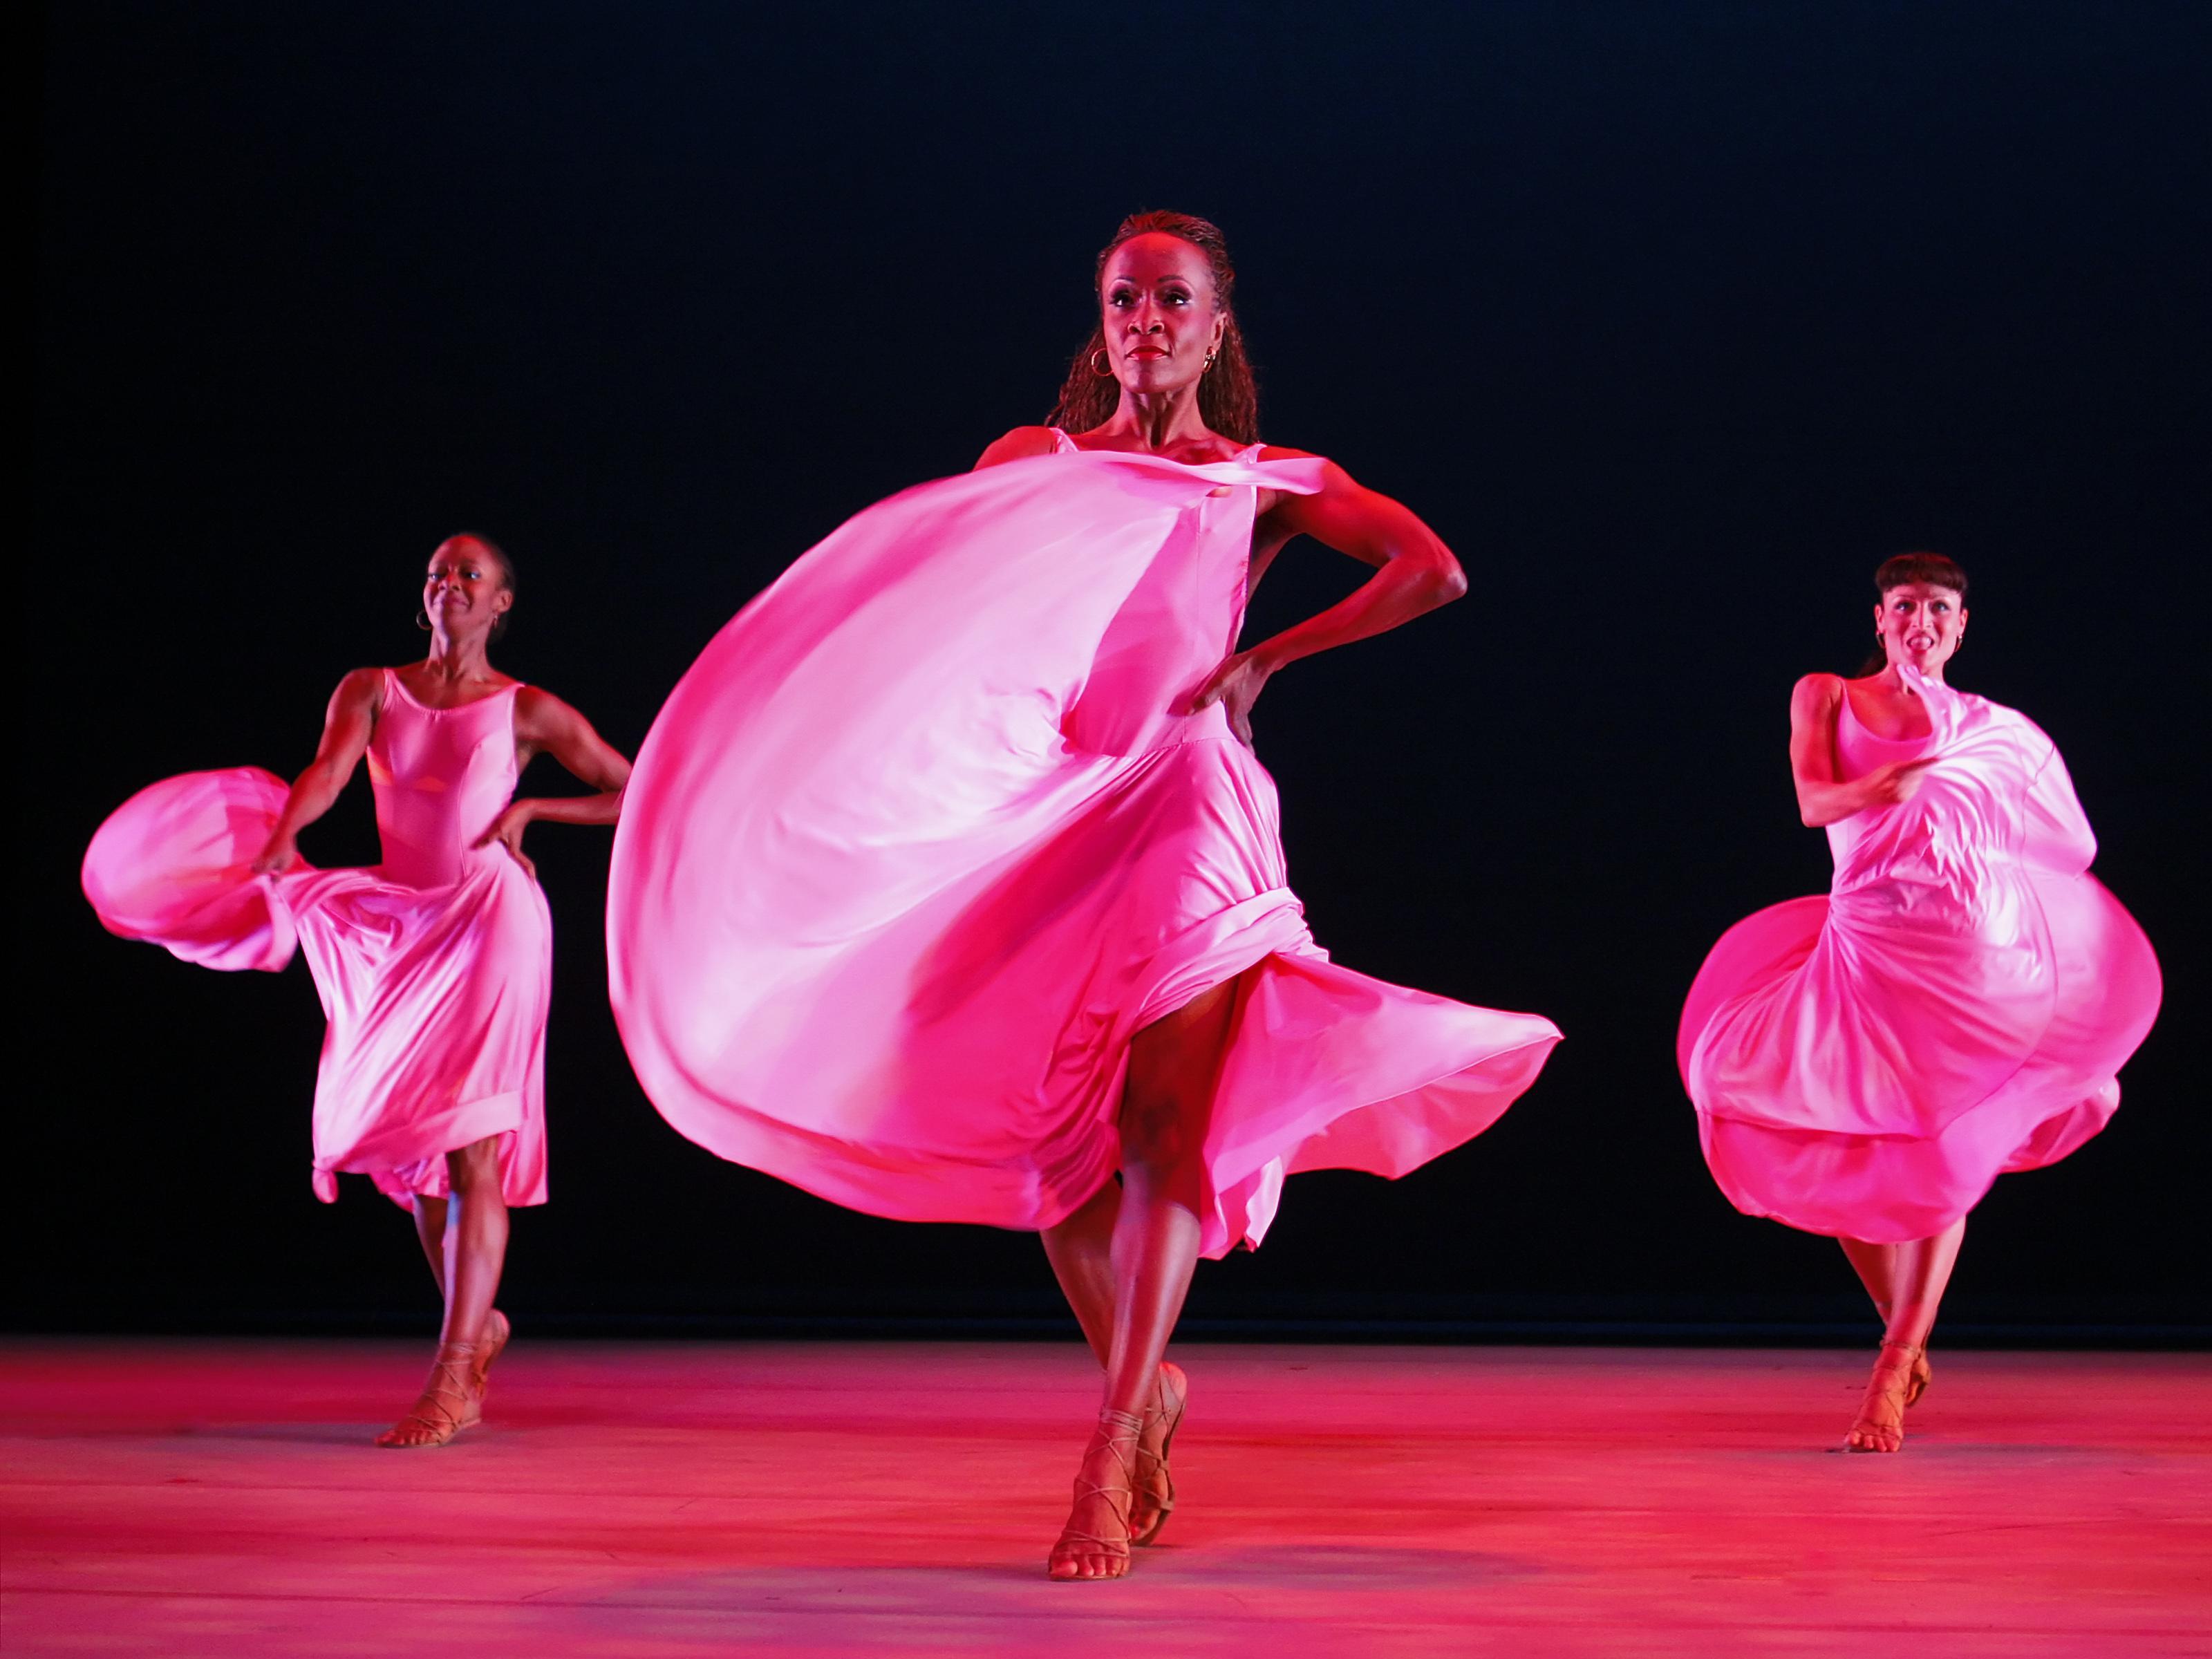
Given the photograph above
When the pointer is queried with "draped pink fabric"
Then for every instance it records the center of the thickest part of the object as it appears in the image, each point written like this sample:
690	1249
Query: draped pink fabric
922	840
1865	1064
433	968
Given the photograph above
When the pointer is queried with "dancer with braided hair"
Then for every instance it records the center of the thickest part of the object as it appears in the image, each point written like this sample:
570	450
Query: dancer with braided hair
949	887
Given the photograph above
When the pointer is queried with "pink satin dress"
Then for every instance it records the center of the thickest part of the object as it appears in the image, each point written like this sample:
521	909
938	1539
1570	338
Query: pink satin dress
435	967
1864	1065
924	839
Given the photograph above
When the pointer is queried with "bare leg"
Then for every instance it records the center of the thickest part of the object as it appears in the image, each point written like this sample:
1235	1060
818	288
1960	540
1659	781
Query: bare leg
430	1231
430	1215
1922	1270
1081	1251
1876	1265
474	1250
1165	1106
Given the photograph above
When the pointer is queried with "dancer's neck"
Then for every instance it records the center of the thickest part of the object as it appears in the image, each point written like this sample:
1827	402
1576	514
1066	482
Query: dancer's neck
1157	421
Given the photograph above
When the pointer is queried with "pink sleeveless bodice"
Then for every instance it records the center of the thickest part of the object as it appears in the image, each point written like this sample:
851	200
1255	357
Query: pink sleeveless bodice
441	776
1858	751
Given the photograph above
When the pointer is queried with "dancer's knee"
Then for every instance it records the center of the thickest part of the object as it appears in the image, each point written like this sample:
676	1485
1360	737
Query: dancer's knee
474	1168
1157	1132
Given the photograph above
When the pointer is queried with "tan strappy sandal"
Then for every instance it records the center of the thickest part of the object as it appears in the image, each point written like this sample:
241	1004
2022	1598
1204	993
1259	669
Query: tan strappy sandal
1170	1395
1892	1378
1115	1430
452	1374
1923	1377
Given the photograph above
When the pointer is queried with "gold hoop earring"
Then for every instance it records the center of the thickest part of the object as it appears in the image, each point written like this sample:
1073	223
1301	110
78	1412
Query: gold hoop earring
1104	372
422	619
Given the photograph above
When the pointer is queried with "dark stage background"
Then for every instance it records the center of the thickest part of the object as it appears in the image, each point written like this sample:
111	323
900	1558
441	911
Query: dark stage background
1673	319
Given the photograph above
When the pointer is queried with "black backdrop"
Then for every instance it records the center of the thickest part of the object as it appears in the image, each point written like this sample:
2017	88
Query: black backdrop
1673	321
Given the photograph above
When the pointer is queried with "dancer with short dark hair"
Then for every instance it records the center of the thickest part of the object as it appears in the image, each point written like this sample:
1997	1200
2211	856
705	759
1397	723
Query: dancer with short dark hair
950	888
1865	1063
435	967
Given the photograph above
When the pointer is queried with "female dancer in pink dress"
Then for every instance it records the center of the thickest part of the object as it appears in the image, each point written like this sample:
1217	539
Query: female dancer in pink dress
1866	1064
434	967
949	888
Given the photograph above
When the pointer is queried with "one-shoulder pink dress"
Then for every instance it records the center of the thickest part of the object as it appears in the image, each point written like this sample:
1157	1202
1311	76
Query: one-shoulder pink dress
926	836
1865	1063
435	967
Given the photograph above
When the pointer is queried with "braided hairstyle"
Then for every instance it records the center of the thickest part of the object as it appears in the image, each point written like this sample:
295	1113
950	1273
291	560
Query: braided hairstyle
1899	569
1227	395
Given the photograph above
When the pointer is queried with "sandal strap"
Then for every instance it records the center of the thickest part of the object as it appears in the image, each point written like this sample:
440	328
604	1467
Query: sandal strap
1907	1354
1114	1428
452	1372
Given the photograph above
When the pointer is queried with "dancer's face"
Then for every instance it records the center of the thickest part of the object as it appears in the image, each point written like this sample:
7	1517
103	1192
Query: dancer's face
465	589
1159	313
1921	623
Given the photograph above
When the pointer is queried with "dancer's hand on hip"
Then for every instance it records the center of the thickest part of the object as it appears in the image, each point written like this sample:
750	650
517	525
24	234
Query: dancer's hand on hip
1236	685
507	830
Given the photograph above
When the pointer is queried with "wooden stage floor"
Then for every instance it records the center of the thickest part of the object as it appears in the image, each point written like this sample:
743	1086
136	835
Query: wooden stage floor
818	1498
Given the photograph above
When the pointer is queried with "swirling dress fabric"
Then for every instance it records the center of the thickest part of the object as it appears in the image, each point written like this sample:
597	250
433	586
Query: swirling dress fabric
433	968
922	841
1960	1004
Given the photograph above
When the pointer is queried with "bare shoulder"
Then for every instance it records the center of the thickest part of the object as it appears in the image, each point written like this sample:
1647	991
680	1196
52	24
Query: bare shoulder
536	710
363	688
1332	476
1815	697
1338	487
1023	443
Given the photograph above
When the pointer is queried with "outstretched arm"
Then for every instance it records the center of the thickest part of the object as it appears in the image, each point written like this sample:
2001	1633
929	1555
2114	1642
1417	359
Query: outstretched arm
1822	797
346	728
1414	573
544	725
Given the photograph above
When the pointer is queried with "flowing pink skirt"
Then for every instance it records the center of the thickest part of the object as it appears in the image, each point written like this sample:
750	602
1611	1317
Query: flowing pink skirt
1867	1075
436	997
880	927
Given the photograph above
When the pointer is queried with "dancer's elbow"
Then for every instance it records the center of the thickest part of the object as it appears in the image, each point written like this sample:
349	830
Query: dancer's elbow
1442	581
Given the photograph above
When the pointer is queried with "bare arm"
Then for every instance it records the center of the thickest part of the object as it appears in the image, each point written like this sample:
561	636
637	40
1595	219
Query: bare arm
347	725
1822	797
544	725
1414	573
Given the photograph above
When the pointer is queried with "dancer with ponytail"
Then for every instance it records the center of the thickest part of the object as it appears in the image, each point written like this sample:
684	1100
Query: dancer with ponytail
435	967
1865	1063
950	888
